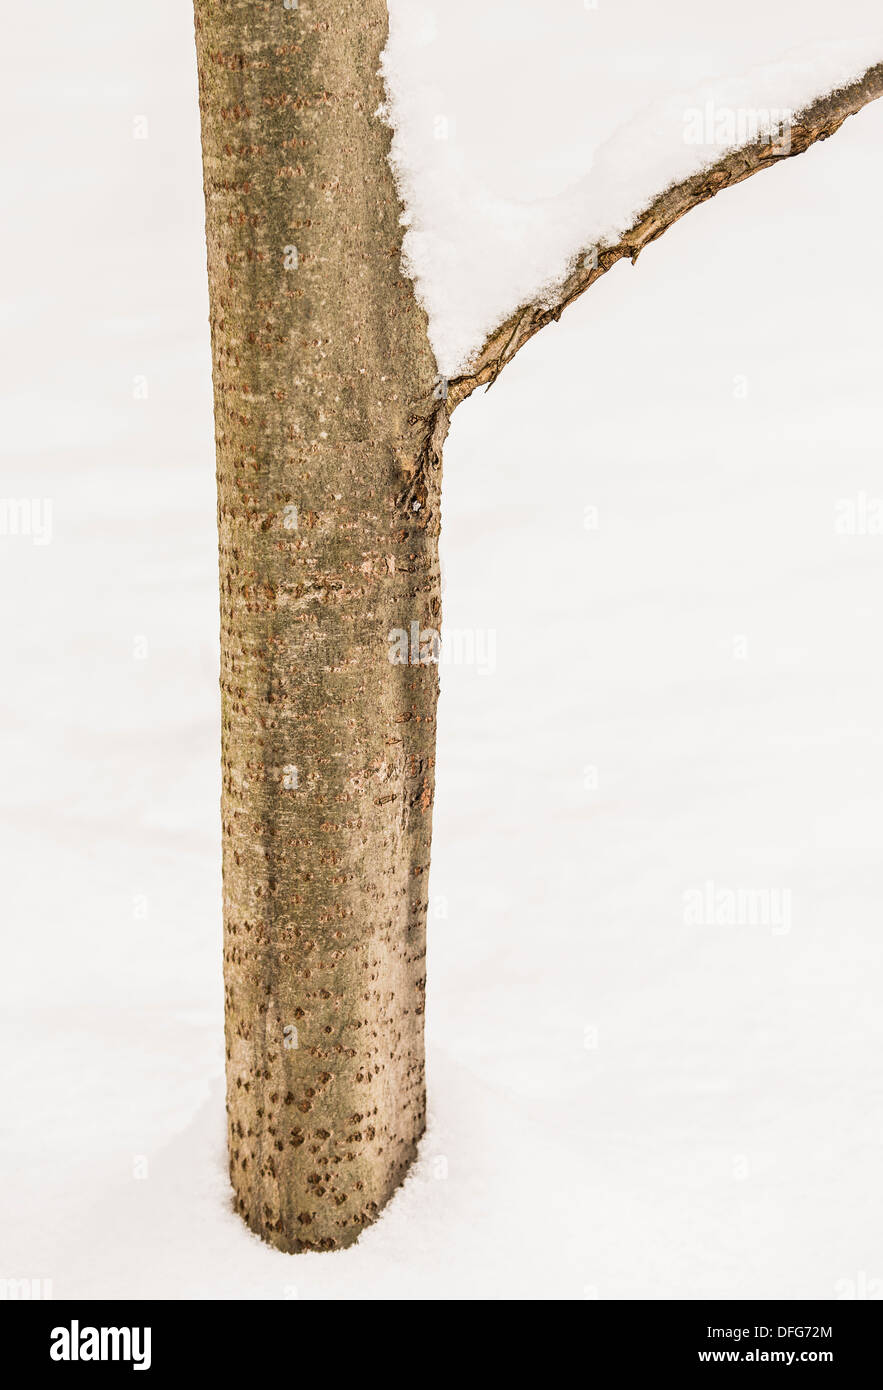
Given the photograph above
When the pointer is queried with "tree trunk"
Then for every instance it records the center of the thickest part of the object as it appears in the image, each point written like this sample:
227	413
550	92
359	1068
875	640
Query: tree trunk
328	455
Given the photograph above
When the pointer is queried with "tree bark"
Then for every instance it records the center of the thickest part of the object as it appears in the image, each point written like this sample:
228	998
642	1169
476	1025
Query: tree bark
329	431
328	459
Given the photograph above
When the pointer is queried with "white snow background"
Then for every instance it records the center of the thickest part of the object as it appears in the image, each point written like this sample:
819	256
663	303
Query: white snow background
648	513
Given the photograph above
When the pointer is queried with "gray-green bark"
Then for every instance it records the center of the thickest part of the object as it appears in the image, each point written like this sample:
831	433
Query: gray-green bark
328	458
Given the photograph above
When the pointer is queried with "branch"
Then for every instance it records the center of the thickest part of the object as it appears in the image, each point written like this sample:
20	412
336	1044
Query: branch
816	122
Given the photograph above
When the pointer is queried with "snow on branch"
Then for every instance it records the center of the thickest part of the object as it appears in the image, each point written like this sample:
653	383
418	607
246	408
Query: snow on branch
785	136
475	252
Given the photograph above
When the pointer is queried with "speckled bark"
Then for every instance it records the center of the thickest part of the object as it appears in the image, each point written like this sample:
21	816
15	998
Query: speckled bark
329	442
328	449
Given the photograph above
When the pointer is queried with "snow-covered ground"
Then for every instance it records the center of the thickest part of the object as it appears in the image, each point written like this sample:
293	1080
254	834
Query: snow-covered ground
669	513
